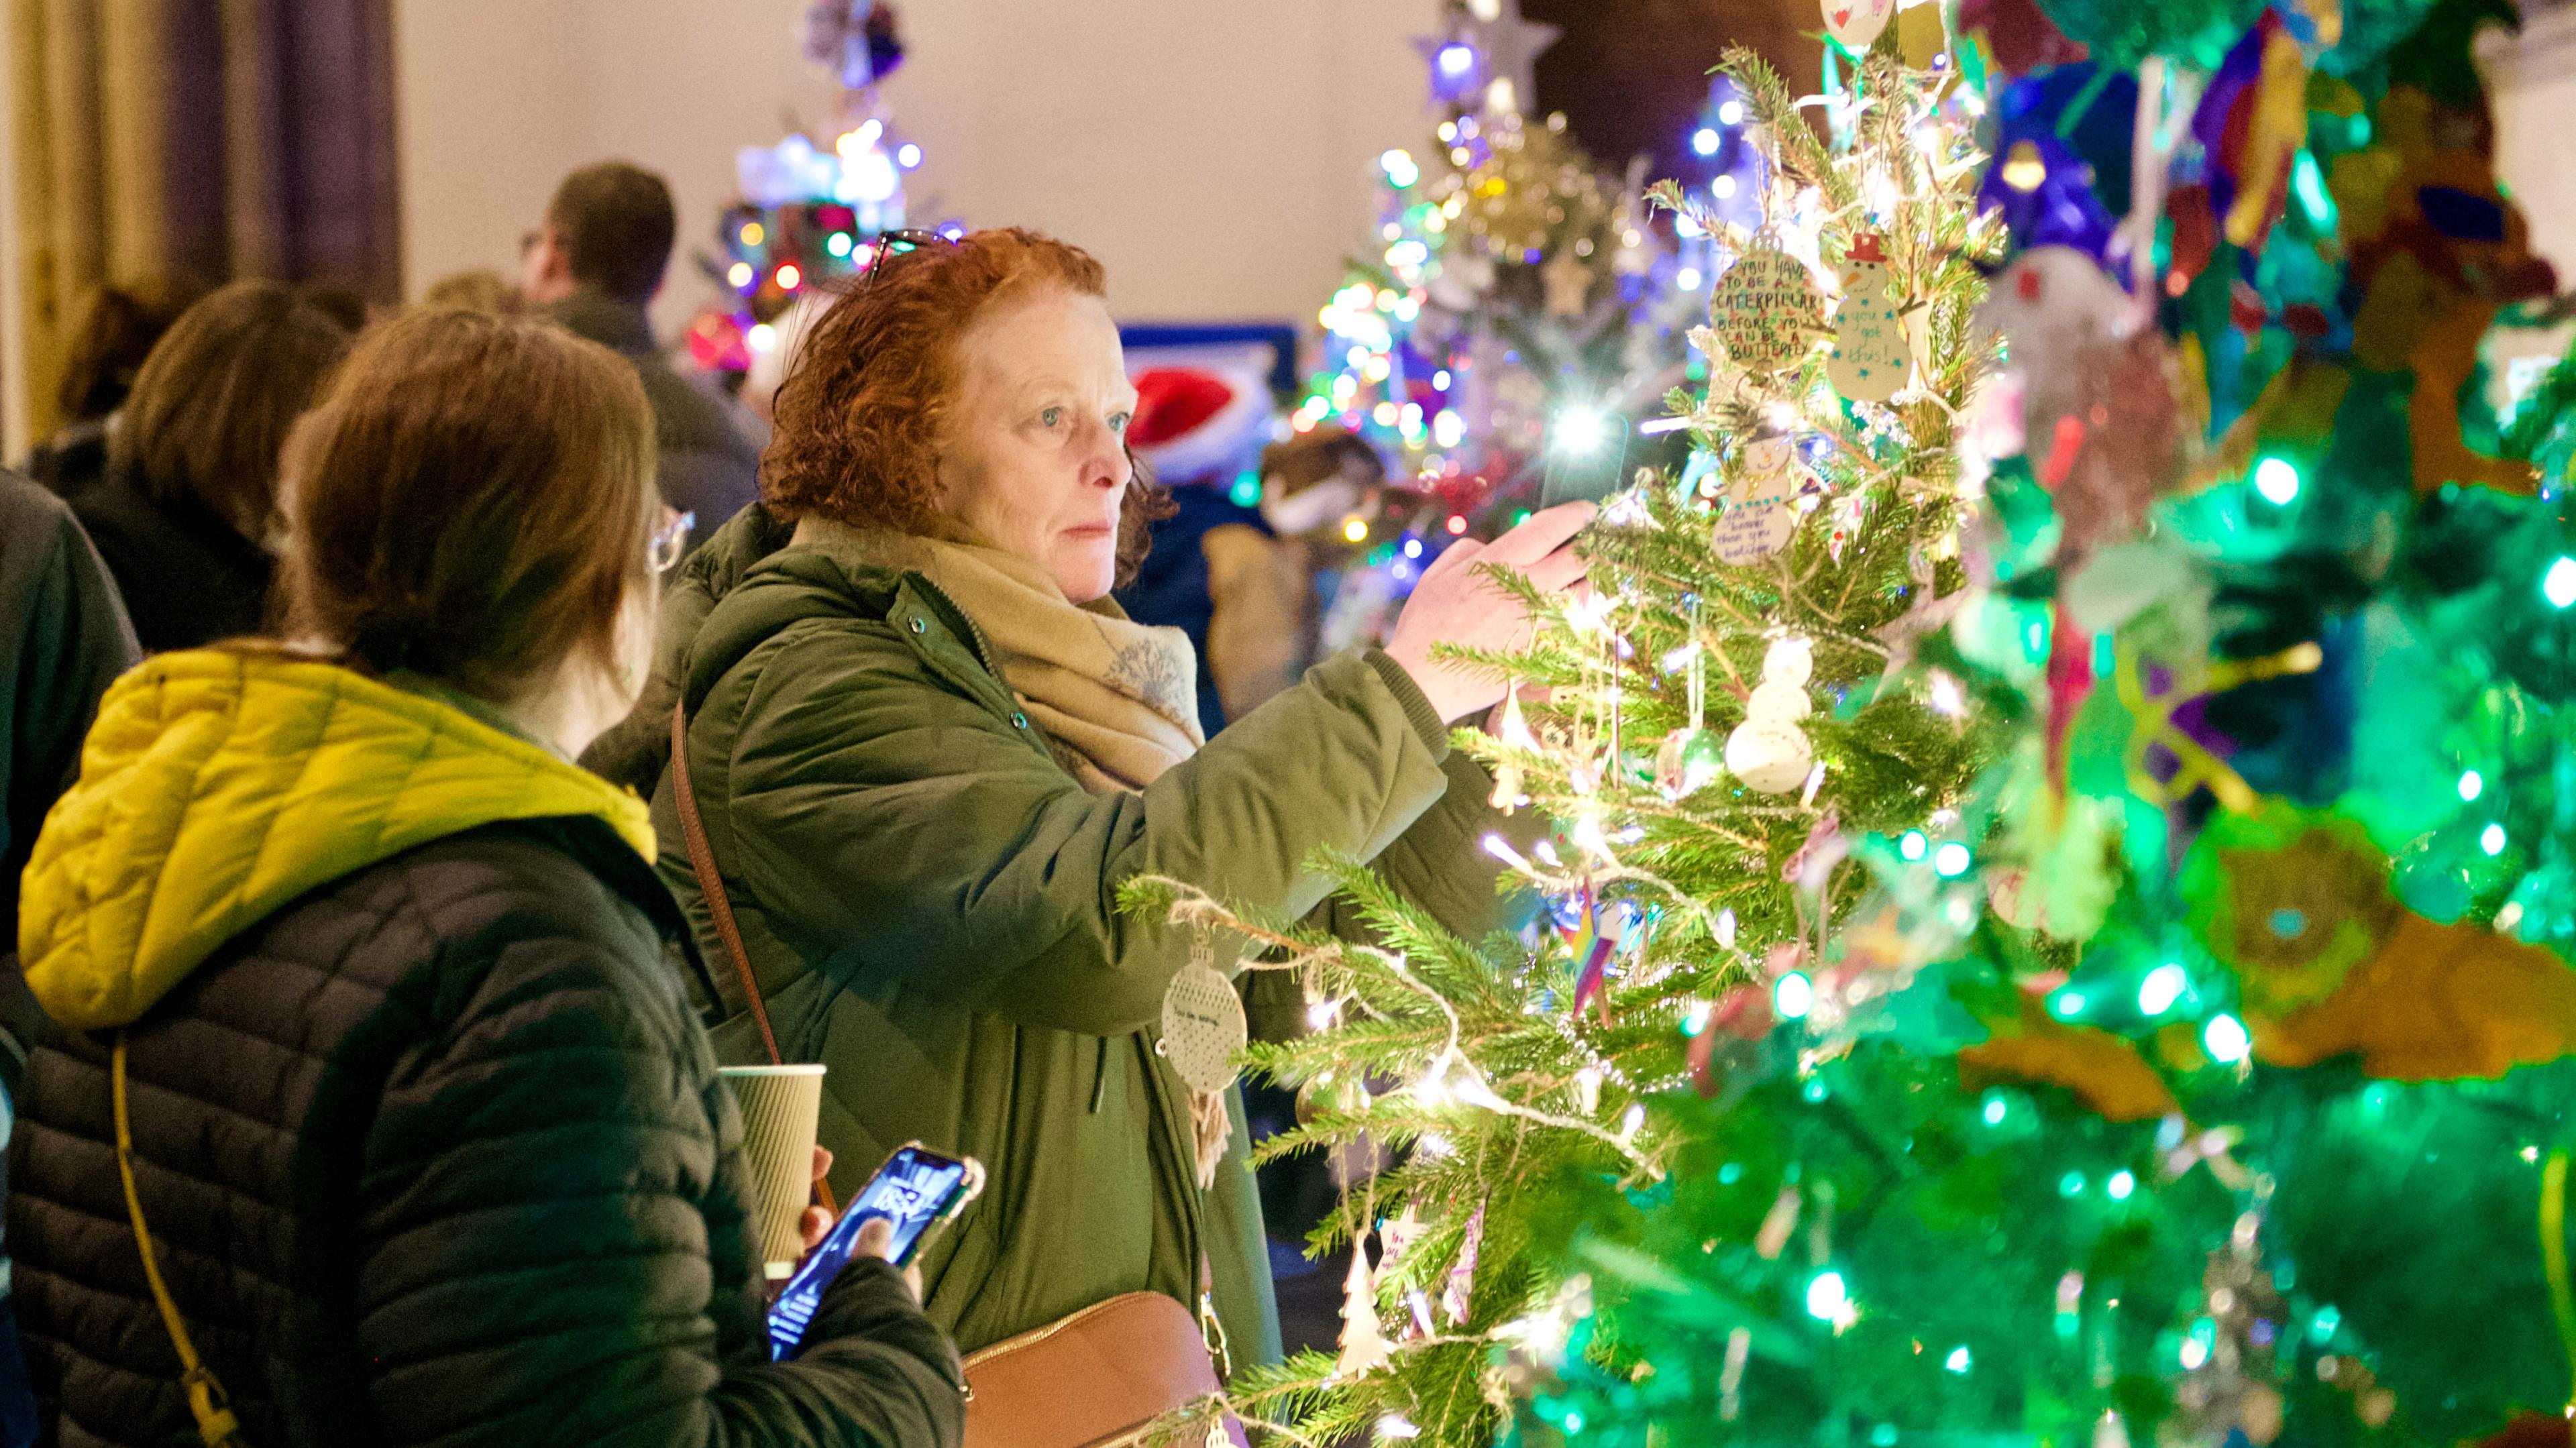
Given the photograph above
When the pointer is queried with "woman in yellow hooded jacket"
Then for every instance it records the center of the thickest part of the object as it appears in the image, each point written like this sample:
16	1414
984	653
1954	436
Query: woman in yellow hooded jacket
427	1142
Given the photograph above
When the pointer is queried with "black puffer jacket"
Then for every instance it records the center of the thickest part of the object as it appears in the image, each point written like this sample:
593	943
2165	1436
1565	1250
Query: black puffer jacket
434	1153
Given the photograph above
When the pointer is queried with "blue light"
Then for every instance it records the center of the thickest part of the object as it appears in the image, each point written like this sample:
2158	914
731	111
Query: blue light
1456	60
907	155
1705	141
1412	547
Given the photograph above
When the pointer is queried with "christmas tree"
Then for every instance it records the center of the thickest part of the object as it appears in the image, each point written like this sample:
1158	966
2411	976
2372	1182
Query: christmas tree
811	208
2060	888
1510	285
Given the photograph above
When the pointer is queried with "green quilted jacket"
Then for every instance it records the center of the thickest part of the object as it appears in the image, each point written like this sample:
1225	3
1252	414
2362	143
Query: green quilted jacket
929	901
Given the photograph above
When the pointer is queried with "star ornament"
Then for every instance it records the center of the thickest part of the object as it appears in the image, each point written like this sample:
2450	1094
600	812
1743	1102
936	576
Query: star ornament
1510	47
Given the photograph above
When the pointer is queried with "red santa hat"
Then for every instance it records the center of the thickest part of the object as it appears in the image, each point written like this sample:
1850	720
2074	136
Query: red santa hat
1194	421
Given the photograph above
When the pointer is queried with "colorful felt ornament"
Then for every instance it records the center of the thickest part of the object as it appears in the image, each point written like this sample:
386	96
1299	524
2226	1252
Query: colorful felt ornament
1870	360
2288	899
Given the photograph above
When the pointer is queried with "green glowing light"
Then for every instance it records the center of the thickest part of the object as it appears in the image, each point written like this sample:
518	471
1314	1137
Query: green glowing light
1827	1296
1952	860
2491	839
2472	784
2121	1185
2225	1039
2558	585
1959	1360
1792	997
2163	986
1912	846
1995	1110
2277	481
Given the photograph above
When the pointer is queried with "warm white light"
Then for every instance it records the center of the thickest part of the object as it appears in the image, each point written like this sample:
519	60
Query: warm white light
1356	530
761	337
1581	430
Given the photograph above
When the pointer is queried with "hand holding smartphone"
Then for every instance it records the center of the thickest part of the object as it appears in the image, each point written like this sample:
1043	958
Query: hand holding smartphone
915	1190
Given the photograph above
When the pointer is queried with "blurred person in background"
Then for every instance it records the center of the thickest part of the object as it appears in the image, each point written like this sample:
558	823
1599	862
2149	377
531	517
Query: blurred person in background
1313	487
594	266
479	289
186	514
426	1139
1213	571
117	328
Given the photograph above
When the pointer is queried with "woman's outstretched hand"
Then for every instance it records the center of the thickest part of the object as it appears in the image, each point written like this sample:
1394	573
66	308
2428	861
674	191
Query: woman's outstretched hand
1456	604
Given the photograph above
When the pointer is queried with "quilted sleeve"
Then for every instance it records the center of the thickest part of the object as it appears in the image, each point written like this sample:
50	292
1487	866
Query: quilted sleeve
547	1224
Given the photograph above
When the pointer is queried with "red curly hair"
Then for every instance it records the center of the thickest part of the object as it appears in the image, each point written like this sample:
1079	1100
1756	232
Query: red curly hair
860	417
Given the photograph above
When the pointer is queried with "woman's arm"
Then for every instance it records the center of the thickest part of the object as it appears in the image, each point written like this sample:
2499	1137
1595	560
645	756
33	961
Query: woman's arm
543	1258
899	833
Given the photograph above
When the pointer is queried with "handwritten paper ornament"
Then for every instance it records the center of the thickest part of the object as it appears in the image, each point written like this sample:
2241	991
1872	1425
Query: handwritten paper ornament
1870	360
1857	23
1768	751
1766	310
1759	516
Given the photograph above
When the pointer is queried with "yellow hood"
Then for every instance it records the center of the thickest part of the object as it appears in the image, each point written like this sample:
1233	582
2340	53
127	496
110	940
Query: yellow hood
218	786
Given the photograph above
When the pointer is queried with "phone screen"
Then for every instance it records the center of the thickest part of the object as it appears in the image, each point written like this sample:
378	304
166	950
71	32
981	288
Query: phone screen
916	1188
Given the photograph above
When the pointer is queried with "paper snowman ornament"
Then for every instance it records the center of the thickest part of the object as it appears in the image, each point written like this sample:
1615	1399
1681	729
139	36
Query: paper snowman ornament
1857	23
1870	361
1768	751
1760	512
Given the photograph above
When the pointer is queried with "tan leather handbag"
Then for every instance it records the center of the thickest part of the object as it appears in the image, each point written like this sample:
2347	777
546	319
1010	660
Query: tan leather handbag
1097	1378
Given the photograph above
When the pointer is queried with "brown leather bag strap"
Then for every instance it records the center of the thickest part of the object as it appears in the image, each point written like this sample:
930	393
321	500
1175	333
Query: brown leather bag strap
702	863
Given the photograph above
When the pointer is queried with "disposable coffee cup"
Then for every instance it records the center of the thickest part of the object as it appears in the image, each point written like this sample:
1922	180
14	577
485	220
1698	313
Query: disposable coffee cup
781	1108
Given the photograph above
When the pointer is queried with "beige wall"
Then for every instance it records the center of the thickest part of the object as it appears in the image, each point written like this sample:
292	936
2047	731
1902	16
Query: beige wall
1216	154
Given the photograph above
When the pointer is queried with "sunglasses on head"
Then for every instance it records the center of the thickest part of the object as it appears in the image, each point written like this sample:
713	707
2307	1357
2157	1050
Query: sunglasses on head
902	242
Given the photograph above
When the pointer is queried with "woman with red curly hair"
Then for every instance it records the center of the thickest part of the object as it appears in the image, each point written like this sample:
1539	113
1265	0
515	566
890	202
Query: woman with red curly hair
927	749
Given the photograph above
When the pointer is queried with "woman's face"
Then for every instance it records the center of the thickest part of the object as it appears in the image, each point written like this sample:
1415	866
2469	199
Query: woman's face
1035	457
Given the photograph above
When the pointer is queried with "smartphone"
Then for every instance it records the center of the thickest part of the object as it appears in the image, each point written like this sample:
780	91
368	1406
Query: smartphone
916	1189
1587	457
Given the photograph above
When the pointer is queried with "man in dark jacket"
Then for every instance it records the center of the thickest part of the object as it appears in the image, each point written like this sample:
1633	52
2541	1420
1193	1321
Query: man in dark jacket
594	266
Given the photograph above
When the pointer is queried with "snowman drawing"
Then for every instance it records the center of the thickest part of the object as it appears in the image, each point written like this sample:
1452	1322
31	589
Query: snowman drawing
1870	361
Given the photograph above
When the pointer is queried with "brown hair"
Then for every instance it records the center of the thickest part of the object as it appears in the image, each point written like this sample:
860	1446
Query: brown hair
214	401
860	418
470	501
616	225
118	327
1309	458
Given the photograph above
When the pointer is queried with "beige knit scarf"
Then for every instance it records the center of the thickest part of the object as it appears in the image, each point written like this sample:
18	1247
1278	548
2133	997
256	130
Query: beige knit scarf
1117	698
